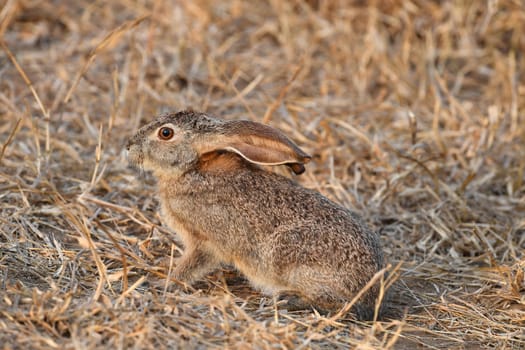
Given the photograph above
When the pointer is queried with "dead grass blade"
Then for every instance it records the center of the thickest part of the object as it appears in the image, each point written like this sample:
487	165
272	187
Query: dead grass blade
109	40
10	138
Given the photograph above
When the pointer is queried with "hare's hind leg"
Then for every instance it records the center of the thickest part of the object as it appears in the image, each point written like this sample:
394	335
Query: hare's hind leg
331	303
194	264
324	303
294	300
302	300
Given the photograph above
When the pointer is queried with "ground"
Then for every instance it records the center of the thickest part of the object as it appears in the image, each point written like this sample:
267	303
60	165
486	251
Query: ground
412	110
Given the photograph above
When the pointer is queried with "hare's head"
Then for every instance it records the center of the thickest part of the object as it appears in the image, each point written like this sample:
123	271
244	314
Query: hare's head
175	143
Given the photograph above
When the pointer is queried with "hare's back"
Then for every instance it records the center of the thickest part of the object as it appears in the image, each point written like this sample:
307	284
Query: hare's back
273	203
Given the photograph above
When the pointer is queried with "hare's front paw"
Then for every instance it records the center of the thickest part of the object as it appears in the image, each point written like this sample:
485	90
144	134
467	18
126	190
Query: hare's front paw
193	265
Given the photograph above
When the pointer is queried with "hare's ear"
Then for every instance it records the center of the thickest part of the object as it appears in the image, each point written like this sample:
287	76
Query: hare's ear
261	144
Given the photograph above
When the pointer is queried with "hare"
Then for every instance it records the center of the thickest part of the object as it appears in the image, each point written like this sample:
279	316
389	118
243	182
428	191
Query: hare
286	239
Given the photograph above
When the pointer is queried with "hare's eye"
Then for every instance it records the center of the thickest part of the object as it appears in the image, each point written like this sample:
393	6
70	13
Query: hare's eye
166	133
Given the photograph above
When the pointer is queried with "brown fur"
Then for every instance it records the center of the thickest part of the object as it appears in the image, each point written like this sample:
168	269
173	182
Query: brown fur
218	162
284	238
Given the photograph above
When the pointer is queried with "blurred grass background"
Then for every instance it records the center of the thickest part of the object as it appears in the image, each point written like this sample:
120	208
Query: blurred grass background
413	111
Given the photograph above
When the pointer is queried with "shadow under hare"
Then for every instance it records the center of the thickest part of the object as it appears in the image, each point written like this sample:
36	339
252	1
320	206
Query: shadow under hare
286	239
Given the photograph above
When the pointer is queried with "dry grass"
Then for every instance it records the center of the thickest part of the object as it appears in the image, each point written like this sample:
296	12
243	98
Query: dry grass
412	109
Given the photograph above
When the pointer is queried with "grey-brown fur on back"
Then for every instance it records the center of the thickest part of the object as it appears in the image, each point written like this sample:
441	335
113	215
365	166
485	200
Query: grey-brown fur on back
280	235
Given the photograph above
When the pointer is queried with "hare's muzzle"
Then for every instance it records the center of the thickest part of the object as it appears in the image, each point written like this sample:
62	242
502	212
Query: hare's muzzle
135	154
